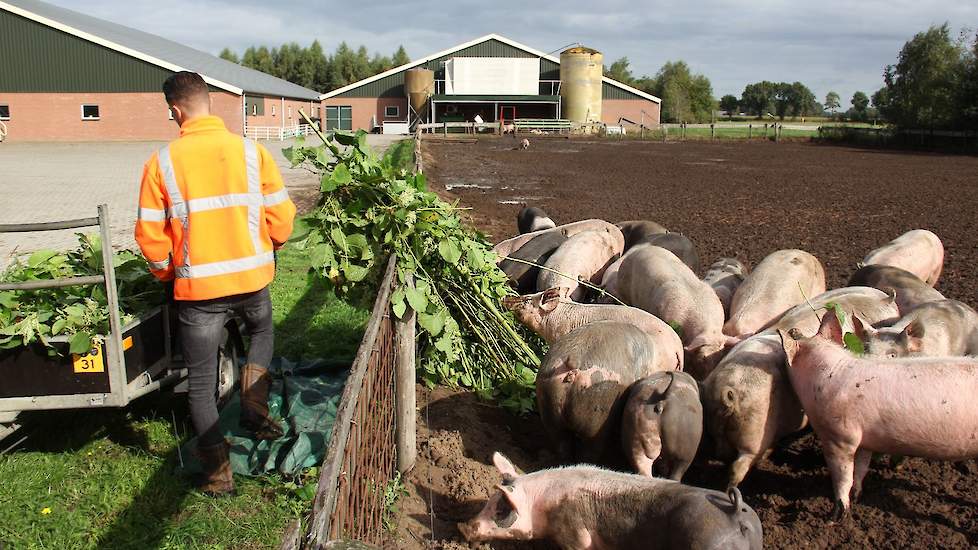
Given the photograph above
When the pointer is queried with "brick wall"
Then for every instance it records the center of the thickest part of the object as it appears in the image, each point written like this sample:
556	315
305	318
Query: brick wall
613	109
122	116
366	108
274	112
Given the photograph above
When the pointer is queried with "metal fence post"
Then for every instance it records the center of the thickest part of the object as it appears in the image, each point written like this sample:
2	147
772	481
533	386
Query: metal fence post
750	131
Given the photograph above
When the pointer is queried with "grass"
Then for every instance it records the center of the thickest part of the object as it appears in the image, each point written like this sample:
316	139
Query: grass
401	154
108	478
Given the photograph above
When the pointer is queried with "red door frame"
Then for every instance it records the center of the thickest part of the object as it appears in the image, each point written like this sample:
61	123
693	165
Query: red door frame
503	108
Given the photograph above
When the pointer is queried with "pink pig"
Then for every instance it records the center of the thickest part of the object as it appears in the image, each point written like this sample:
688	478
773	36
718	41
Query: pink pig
582	257
910	406
918	251
507	247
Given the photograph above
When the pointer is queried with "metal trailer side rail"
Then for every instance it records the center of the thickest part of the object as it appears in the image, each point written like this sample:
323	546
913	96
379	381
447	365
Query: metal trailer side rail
118	387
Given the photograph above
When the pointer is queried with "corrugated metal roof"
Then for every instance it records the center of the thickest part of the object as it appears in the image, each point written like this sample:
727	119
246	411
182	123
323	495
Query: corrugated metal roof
158	50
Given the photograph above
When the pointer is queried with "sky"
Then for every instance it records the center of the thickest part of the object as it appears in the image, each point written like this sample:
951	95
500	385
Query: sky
835	45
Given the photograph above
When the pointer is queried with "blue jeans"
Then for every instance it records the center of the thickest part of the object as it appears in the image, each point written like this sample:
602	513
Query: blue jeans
202	333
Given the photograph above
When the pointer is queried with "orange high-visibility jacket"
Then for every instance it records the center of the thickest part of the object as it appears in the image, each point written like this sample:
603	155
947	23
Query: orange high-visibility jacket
212	208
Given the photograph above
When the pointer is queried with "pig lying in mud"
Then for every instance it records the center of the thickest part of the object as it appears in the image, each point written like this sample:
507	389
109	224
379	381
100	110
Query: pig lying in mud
935	329
583	257
678	244
748	402
662	424
551	314
654	279
505	248
783	279
910	290
532	219
638	230
918	251
536	251
724	277
581	385
863	405
587	508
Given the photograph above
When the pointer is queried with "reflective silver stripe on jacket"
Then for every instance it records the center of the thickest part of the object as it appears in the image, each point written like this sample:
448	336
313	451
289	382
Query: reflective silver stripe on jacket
224	268
151	215
178	207
159	266
254	188
223	201
277	197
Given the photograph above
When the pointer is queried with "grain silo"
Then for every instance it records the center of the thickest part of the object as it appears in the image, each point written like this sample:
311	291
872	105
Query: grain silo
580	84
419	84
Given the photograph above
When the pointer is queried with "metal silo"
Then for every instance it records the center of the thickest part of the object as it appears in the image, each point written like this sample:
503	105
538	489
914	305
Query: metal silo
580	84
419	85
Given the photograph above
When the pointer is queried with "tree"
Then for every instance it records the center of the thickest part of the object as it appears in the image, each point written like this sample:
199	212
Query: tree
400	57
685	96
729	104
758	98
228	55
859	104
619	71
923	89
832	102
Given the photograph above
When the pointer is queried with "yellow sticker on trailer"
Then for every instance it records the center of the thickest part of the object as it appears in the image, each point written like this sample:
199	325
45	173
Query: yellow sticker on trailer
89	362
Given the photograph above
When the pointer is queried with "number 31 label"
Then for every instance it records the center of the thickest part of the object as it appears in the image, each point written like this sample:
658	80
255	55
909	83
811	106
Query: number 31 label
89	362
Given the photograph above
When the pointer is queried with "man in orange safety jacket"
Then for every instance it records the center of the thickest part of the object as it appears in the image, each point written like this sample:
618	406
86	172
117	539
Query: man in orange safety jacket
212	211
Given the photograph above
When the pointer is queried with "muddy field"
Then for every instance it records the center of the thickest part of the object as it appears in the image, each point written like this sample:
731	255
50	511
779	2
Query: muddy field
732	199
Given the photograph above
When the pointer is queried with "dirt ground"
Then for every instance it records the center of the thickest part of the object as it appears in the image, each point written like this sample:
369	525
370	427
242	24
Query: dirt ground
732	199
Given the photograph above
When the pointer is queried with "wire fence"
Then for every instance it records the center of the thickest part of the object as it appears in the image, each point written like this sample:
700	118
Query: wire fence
894	137
359	472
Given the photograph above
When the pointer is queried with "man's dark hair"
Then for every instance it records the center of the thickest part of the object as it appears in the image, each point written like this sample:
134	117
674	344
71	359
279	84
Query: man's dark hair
184	87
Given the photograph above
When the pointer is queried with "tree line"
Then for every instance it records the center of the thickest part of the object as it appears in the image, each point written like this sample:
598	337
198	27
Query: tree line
312	68
686	97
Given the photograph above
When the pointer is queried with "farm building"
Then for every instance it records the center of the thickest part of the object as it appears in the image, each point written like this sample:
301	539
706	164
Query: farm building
68	76
492	78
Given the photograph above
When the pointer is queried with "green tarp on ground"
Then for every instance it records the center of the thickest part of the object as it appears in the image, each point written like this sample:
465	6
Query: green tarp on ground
303	399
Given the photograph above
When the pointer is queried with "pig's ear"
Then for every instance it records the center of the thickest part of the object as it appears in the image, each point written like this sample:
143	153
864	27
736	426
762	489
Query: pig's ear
512	302
732	341
551	298
830	329
695	343
861	328
914	333
789	344
504	466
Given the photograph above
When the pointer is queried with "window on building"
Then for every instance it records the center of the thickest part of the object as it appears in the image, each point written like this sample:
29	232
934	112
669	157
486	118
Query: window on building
170	113
273	110
339	117
290	111
4	112
89	112
392	111
254	109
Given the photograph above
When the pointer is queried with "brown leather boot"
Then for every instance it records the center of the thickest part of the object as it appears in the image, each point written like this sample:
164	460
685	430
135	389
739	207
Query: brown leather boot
255	384
216	479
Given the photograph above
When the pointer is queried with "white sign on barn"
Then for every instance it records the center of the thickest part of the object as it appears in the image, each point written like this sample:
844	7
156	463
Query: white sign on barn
492	75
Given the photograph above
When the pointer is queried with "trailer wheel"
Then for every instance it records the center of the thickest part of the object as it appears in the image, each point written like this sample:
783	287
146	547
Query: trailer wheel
227	363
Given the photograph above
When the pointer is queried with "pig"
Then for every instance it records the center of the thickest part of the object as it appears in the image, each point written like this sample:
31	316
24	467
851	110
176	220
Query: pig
748	402
531	218
910	290
936	329
663	419
537	250
609	281
918	251
678	244
551	314
724	277
638	230
654	279
581	384
583	507
584	257
783	279
914	406
505	248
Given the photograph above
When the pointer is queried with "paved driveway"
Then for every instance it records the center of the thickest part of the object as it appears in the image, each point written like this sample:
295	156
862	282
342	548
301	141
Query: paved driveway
57	181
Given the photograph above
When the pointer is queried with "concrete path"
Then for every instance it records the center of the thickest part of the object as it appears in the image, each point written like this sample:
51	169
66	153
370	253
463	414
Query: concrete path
58	181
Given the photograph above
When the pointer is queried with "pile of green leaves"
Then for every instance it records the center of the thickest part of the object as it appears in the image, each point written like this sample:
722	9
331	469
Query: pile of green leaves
370	209
79	313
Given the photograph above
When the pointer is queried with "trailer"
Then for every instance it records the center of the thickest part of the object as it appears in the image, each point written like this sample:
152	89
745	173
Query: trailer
128	362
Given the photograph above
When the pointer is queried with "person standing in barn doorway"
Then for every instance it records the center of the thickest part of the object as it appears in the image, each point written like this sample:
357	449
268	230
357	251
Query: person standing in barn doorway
212	212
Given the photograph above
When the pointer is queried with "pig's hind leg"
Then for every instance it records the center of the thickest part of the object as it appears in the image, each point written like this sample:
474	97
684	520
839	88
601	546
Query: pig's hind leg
739	469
